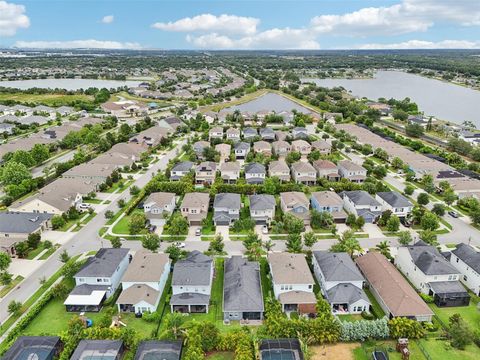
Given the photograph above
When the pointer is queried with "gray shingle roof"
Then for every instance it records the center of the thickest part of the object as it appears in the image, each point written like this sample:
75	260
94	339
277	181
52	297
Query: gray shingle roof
241	146
227	200
84	350
242	289
194	270
394	199
447	287
183	166
103	264
468	255
255	168
262	202
430	261
345	293
360	197
24	223
337	266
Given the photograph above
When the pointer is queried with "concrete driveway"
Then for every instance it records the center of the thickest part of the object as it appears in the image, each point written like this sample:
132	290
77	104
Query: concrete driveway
224	231
191	233
373	231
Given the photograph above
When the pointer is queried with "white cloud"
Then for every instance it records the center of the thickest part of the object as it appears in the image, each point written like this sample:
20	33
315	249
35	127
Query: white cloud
228	24
108	19
421	44
405	17
78	44
12	18
272	39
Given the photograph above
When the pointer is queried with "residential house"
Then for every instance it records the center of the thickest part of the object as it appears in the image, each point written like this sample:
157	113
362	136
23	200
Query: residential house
19	225
281	148
90	171
340	282
332	118
192	283
171	123
34	347
230	172
384	109
57	197
326	169
242	290
466	260
215	133
395	202
304	173
267	134
86	349
199	147
6	128
158	207
322	146
292	282
262	208
281	135
262	147
287	117
205	173
233	134
300	133
255	173
295	203
179	170
143	282
97	280
361	203
224	150
249	133
393	293
279	169
195	207
302	147
226	209
330	202
351	171
432	274
241	150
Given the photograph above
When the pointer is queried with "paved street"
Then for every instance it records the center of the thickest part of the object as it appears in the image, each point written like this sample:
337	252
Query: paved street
85	240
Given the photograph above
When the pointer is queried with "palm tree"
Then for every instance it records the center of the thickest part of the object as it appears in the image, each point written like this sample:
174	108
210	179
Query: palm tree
268	245
384	249
347	243
254	252
174	322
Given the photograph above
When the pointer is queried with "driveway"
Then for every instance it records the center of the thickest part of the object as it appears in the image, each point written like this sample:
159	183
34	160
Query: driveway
224	231
373	231
191	233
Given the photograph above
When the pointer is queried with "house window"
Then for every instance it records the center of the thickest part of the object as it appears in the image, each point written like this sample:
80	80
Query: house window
465	277
309	286
99	280
457	260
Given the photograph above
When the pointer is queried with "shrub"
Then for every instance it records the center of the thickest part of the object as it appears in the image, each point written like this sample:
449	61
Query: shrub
367	315
427	298
364	329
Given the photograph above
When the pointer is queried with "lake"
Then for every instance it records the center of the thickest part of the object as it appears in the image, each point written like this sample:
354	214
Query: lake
443	100
68	84
271	102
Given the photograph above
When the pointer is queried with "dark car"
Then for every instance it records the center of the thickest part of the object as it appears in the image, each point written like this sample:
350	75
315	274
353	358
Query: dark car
152	228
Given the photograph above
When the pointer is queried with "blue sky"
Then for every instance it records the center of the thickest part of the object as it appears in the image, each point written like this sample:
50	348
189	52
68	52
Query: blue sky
240	24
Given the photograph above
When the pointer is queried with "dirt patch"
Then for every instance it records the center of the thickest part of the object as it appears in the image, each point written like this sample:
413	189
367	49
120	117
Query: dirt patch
339	351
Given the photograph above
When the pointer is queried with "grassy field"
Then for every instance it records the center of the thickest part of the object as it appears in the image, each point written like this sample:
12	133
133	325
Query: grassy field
221	355
128	96
440	349
242	100
365	352
6	289
470	313
122	226
47	99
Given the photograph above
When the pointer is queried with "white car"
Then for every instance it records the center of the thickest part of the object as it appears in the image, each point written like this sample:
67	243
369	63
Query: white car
264	229
84	206
180	245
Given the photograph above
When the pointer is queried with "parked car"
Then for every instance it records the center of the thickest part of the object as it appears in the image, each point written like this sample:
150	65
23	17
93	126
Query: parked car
179	245
198	232
152	228
84	206
264	229
453	214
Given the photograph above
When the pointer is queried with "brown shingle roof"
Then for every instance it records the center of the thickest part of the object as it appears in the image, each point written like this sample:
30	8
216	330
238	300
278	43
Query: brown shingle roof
289	268
146	267
396	293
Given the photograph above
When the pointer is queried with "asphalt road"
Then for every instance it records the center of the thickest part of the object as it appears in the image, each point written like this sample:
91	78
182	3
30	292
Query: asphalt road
87	239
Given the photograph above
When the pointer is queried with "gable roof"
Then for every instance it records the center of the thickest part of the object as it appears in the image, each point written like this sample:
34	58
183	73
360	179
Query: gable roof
241	146
346	293
227	200
160	198
146	267
288	268
195	269
337	266
279	165
394	199
261	202
303	166
327	198
360	197
195	199
255	168
137	293
103	264
350	165
242	289
183	166
396	293
468	255
292	198
230	166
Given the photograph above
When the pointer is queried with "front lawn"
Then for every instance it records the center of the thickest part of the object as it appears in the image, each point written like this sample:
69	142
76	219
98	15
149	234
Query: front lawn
122	226
209	227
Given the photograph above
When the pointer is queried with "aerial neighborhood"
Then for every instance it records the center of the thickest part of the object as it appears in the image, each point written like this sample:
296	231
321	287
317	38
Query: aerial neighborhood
210	211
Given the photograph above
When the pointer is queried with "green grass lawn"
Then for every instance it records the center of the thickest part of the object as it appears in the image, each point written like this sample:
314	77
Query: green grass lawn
49	253
34	253
120	185
440	349
209	228
6	289
365	352
376	309
122	226
47	99
469	313
221	355
68	225
350	317
267	288
92	201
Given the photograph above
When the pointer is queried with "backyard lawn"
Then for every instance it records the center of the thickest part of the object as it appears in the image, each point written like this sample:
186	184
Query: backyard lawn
221	355
377	310
470	313
440	349
365	352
